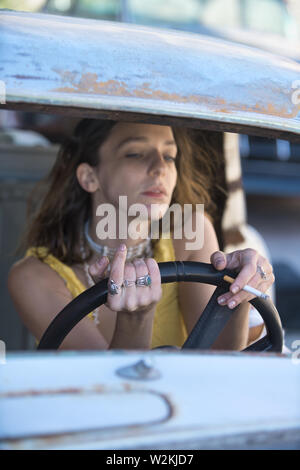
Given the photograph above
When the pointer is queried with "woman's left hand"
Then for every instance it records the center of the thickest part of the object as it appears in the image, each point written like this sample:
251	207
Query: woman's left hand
254	270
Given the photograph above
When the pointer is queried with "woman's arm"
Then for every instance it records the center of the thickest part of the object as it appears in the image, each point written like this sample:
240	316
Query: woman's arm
194	297
39	294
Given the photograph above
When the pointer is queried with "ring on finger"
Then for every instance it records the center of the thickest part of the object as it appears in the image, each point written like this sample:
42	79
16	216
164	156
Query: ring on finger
113	288
144	281
261	271
128	283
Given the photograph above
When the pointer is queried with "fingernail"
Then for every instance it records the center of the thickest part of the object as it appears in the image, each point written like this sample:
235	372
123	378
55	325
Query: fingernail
235	289
93	270
101	261
232	304
221	300
122	247
219	262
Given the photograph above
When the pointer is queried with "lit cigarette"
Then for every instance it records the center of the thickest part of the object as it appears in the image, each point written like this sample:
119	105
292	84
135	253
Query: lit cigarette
249	289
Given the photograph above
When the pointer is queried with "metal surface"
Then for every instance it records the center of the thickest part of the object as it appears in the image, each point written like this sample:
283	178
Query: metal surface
98	68
77	400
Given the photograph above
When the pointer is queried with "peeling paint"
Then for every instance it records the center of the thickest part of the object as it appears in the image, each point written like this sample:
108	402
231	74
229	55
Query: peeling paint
89	83
82	65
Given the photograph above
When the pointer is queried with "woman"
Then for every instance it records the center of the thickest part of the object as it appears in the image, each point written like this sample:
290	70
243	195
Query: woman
146	164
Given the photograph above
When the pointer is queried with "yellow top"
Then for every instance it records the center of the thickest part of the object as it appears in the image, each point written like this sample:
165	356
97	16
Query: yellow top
168	327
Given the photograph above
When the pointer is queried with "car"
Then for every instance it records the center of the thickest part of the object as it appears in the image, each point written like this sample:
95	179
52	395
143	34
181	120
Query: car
268	25
159	399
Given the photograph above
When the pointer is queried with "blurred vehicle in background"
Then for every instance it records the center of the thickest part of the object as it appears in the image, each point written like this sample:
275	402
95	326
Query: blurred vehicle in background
260	23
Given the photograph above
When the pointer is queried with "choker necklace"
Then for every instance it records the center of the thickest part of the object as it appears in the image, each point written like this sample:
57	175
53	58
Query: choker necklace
142	250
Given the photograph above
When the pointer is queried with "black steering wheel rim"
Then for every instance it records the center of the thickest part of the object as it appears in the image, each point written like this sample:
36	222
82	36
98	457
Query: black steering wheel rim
172	271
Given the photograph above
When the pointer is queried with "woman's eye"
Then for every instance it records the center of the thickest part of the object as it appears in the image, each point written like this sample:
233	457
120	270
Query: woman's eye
168	158
133	155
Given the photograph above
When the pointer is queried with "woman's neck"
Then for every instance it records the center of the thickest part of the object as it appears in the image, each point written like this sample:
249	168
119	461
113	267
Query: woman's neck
114	239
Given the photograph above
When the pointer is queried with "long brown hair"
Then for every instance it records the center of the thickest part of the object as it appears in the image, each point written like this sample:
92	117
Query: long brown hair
57	222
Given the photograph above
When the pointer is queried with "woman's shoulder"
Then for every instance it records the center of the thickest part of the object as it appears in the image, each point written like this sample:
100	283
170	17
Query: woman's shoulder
29	265
31	269
201	244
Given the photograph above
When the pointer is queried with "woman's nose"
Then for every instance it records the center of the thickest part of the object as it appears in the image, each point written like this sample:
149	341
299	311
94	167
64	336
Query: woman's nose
157	163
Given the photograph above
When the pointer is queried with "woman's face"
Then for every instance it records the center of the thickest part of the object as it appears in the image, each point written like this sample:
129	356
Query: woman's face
137	161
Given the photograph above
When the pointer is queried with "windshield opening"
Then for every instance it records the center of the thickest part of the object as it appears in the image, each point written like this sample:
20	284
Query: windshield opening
269	16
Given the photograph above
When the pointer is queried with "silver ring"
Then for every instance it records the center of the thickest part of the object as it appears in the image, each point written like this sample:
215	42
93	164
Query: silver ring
261	271
144	281
113	288
127	283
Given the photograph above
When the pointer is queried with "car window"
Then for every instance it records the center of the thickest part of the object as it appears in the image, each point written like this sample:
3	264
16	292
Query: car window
98	9
169	11
23	5
267	16
270	16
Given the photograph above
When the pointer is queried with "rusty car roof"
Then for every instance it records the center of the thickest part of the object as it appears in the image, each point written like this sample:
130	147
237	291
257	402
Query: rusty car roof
105	69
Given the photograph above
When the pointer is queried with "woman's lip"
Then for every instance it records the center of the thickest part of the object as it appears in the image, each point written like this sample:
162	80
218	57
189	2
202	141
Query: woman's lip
153	194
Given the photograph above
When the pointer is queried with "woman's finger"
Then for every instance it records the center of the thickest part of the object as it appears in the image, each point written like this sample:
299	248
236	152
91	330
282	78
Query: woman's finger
218	260
143	296
258	281
154	272
116	277
129	290
97	269
117	265
247	269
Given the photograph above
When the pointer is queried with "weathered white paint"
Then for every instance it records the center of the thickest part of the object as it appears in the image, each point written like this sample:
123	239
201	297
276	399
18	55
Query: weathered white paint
77	400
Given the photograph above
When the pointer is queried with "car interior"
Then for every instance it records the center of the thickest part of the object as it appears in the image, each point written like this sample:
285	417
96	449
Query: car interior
27	155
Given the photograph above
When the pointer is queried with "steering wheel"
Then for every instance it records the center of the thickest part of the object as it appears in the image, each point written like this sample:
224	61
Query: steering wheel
207	328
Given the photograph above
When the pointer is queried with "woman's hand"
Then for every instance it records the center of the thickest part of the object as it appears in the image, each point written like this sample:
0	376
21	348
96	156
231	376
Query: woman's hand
251	267
131	298
135	305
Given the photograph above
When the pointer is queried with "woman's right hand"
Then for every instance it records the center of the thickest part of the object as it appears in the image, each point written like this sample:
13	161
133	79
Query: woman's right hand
133	298
135	305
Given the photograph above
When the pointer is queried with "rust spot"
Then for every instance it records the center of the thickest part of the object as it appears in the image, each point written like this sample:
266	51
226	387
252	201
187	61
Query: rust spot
43	441
128	387
34	393
89	83
98	388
